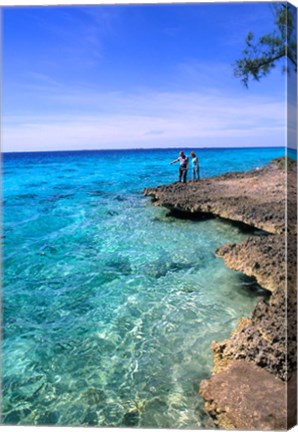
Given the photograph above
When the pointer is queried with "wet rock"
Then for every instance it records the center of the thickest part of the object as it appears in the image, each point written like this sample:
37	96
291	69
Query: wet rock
260	257
246	397
94	396
131	418
262	339
256	366
48	418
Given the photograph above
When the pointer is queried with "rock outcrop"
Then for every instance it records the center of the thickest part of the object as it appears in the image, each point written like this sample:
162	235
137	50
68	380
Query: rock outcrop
255	368
238	398
256	198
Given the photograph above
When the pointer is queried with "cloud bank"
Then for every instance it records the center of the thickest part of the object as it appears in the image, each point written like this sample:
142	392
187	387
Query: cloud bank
98	120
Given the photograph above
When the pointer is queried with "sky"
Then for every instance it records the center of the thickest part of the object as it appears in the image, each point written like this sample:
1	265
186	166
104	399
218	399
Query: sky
136	76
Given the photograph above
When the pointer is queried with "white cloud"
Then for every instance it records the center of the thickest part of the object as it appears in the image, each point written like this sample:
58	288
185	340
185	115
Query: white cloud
148	119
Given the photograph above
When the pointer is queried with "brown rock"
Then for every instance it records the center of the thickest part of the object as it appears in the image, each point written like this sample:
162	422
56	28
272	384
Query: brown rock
246	397
269	337
256	198
261	257
255	368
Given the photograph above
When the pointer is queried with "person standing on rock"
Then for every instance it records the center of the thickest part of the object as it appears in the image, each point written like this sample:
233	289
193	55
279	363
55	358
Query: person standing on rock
183	160
195	166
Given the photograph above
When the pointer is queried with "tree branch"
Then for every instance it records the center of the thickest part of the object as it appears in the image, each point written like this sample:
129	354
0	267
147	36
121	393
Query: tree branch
259	58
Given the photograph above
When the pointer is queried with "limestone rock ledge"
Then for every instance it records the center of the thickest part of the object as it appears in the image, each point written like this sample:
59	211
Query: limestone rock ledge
265	338
261	257
256	197
245	397
255	368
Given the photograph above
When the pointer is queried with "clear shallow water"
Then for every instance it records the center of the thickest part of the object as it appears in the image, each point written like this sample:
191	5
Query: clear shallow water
110	306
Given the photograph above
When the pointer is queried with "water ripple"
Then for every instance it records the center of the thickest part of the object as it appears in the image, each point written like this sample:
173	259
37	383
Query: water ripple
110	306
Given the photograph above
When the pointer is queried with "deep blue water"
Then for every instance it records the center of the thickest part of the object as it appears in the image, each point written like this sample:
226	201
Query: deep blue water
110	306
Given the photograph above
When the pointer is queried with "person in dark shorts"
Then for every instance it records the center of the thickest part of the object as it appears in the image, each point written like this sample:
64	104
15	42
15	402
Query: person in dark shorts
183	168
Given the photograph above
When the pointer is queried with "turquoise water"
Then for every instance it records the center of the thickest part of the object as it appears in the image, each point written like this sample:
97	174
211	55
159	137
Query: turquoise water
109	305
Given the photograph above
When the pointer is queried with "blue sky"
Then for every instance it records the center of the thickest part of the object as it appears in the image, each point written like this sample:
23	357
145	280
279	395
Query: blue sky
130	76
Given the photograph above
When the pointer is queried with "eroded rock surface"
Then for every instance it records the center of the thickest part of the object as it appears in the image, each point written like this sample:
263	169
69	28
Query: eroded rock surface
256	198
266	338
246	397
262	257
253	367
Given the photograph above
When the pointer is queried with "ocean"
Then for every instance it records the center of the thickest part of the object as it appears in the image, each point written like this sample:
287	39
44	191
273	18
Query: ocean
109	304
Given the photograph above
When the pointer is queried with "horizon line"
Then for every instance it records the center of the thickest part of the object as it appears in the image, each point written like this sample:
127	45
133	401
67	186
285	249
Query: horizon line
147	149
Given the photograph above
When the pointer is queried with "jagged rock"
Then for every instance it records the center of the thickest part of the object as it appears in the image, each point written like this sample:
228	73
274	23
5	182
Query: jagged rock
264	339
256	197
246	397
255	367
262	257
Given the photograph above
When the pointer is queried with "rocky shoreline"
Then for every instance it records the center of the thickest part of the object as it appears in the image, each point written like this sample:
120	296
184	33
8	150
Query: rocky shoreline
253	383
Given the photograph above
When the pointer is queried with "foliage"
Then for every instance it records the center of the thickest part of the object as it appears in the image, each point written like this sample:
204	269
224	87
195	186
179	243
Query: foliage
260	57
